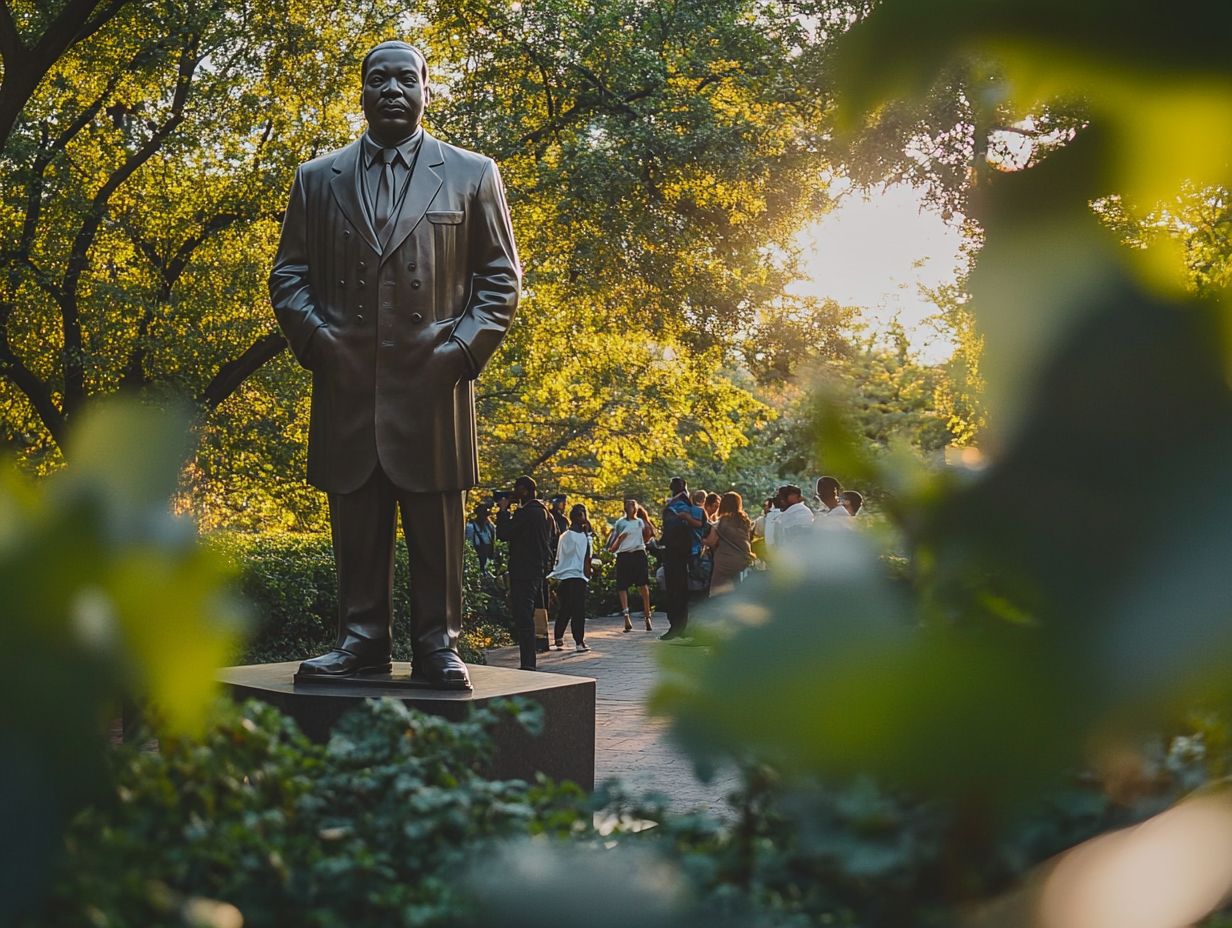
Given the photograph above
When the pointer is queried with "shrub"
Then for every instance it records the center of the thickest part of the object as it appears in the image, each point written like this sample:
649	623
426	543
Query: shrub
291	581
365	830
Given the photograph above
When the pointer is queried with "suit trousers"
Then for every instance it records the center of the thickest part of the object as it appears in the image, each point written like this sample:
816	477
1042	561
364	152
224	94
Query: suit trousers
363	525
524	597
676	577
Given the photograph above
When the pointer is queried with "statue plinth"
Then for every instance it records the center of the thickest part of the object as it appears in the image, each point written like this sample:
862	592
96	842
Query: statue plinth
565	750
390	680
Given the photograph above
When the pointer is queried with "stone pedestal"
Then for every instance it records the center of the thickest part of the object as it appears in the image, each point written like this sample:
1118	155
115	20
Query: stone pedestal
565	750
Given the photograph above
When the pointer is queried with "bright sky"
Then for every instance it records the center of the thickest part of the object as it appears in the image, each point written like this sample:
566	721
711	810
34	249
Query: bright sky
875	252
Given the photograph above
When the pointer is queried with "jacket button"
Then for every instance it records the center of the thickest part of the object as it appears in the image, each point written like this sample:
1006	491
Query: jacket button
359	317
411	266
346	233
416	317
363	265
360	307
341	282
415	285
362	283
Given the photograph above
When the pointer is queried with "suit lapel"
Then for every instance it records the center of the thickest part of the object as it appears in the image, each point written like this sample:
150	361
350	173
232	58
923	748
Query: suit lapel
345	185
425	183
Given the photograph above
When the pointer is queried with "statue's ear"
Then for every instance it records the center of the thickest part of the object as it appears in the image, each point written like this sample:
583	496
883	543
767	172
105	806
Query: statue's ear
427	95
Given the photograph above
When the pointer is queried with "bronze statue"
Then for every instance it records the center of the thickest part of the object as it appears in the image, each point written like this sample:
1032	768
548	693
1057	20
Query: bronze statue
395	281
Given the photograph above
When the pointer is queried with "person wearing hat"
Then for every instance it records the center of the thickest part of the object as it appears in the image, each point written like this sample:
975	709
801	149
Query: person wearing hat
542	613
530	533
558	513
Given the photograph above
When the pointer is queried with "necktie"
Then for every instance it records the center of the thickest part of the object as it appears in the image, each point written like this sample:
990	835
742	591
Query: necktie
384	207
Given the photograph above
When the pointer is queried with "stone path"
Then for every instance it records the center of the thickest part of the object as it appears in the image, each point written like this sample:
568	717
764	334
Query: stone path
629	743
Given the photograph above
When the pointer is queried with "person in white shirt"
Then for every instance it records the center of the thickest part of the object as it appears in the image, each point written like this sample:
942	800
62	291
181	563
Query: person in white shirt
796	518
773	515
628	540
833	512
572	570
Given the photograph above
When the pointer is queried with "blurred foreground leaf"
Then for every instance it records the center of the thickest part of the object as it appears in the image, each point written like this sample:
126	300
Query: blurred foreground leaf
107	597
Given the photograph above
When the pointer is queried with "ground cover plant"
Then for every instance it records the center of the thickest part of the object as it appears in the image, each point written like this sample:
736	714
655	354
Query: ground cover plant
256	819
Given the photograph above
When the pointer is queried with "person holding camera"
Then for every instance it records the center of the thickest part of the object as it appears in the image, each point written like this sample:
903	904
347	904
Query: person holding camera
529	532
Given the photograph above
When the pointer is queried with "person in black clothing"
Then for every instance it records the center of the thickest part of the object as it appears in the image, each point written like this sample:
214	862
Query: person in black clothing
680	519
558	513
530	533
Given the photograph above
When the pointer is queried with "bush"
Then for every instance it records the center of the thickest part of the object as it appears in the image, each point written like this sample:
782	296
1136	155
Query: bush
368	829
292	584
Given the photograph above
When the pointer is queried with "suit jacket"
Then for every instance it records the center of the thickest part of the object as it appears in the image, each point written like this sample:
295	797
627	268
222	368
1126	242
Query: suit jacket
531	535
448	272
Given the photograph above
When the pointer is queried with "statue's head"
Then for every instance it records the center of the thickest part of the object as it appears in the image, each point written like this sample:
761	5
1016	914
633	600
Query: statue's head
395	93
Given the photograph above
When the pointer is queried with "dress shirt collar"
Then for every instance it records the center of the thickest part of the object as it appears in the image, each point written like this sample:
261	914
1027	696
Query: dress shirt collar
406	148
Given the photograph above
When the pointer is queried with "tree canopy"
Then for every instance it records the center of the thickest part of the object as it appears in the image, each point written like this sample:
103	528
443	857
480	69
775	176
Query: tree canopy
659	159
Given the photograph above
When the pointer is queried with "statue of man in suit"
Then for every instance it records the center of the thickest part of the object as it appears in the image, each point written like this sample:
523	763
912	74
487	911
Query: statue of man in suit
395	281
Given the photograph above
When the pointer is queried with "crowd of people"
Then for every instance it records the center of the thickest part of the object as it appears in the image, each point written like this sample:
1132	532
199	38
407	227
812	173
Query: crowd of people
705	545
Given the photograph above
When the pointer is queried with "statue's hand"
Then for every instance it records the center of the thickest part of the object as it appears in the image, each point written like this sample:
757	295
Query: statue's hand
322	349
453	360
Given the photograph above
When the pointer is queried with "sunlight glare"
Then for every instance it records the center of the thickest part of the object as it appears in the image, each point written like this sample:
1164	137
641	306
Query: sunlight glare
875	252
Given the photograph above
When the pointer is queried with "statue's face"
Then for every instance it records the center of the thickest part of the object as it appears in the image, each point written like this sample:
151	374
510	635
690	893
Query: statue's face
394	94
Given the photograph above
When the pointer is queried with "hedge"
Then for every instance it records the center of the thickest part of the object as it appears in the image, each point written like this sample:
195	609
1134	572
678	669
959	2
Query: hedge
290	581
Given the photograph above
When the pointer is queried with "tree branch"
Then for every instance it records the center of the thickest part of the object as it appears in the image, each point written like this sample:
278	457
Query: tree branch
73	349
554	448
234	373
11	47
36	391
25	67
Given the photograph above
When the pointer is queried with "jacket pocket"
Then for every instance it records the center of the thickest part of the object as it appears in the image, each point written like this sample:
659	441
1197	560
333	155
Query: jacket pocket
443	217
446	226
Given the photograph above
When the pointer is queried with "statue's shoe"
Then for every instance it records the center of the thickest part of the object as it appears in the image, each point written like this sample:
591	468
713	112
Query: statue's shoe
442	669
340	663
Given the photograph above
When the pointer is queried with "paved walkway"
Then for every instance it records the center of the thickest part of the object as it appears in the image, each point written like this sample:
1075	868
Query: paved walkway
630	744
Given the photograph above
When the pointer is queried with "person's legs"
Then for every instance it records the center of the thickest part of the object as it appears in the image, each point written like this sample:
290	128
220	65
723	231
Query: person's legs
622	587
579	617
573	608
639	576
523	597
676	572
562	612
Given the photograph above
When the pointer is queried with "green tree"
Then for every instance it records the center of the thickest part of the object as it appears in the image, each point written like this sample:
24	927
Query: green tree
653	155
146	170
